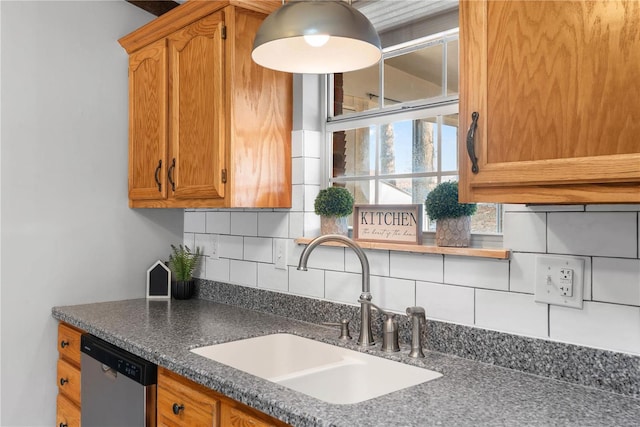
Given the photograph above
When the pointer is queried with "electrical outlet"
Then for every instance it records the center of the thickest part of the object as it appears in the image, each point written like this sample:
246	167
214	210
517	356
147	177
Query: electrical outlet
559	280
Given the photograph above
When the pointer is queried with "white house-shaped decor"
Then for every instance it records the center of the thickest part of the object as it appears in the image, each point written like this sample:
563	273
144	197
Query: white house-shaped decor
159	281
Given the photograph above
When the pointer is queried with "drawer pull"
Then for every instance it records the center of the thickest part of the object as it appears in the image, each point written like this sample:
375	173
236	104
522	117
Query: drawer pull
63	381
62	425
64	343
177	408
471	136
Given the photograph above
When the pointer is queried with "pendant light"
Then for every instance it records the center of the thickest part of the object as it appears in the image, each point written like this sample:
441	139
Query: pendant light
316	37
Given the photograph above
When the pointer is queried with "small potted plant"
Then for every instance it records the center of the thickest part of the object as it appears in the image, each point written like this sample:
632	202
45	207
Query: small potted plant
453	219
334	205
182	263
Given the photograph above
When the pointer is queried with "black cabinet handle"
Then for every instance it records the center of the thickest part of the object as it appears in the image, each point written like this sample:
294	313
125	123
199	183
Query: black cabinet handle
177	408
64	343
471	136
157	175
63	381
62	425
170	173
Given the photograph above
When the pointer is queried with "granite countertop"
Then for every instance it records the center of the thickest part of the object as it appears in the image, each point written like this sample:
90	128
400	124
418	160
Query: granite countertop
468	394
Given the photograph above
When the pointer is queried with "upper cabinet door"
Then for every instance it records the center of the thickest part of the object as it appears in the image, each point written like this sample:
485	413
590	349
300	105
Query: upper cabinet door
147	123
197	116
557	90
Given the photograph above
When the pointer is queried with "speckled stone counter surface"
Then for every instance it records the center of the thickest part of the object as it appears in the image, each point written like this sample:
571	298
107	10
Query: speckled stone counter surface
469	393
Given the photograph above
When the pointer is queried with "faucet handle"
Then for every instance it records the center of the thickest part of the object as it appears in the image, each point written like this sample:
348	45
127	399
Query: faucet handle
416	311
344	328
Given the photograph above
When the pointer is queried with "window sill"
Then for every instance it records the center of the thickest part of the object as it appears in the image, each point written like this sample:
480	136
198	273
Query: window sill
472	252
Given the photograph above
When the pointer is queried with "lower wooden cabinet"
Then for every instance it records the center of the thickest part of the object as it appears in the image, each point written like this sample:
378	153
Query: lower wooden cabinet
68	414
68	402
182	402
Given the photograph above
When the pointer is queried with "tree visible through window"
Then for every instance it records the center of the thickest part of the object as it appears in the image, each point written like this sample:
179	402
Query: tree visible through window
395	136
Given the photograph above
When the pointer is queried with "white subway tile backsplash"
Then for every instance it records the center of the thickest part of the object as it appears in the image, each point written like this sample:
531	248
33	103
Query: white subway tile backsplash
511	312
522	272
525	231
310	194
607	326
378	262
311	224
607	234
297	198
217	269
230	247
243	272
327	257
446	302
205	243
425	267
476	272
305	143
296	224
272	278
616	280
297	171
342	287
244	223
194	222
188	239
218	222
393	294
273	224
297	143
258	249
308	283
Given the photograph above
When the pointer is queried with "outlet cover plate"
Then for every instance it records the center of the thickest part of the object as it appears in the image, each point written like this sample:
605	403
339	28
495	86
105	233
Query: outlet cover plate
551	277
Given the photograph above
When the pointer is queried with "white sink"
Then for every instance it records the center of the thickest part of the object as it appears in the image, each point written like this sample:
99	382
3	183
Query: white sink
324	371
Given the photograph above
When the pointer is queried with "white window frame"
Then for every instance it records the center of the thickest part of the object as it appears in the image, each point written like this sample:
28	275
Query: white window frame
441	105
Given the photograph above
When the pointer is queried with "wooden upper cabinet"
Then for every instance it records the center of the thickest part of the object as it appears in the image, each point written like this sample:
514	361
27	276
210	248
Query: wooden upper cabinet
196	109
147	122
208	126
555	85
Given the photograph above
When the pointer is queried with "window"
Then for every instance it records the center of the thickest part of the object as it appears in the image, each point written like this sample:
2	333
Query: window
394	127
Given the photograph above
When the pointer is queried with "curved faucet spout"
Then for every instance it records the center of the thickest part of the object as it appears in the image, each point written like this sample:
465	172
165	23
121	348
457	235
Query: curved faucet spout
366	336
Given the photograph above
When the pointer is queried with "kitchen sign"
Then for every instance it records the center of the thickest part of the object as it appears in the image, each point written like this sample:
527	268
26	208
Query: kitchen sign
388	223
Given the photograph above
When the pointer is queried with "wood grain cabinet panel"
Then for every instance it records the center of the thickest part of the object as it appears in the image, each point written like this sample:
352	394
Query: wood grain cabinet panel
67	414
556	89
69	343
197	405
69	381
207	126
148	123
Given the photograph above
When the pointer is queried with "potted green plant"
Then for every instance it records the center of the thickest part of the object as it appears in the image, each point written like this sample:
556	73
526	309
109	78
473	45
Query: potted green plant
334	205
182	263
453	219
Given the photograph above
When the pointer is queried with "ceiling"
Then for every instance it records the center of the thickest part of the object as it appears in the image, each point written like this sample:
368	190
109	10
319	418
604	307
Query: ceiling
383	14
389	14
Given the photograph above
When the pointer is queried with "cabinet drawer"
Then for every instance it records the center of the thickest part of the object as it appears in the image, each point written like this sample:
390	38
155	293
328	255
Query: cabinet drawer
68	414
69	380
194	406
234	417
69	343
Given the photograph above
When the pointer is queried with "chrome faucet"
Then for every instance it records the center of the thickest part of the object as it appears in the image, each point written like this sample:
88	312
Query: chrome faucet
365	339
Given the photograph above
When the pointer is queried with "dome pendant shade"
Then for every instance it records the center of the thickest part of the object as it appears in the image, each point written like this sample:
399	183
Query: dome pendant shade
352	42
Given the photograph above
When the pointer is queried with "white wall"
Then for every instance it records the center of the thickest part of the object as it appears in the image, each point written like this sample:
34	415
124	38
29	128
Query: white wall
67	234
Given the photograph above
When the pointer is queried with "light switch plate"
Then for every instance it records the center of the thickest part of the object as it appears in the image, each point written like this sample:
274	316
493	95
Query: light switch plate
559	280
280	254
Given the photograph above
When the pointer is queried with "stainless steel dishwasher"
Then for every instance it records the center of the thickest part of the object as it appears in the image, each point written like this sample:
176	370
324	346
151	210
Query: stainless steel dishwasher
118	389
